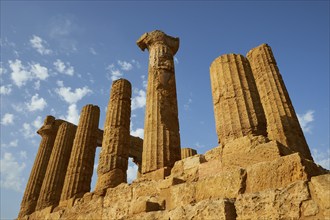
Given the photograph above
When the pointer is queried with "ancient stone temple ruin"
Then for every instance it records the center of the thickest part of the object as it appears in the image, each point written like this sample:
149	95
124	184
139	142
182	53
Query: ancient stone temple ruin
262	167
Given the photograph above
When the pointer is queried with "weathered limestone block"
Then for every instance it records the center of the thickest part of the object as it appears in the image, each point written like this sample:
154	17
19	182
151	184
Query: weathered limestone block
146	188
281	203
237	108
51	189
226	184
213	154
309	208
250	150
181	195
280	172
282	122
32	191
161	145
187	152
145	204
117	202
320	189
187	169
113	160
80	169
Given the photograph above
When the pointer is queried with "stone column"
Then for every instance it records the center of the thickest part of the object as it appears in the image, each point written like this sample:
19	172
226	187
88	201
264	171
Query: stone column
51	189
237	108
113	160
161	145
48	133
80	169
282	122
187	152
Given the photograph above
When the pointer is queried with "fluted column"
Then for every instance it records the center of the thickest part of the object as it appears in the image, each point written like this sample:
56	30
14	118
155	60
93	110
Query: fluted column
80	169
161	145
51	189
32	191
237	108
282	122
113	161
187	152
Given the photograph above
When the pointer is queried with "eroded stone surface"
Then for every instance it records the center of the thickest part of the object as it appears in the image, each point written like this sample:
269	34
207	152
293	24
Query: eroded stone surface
51	189
187	152
282	122
113	160
237	108
31	194
81	164
161	145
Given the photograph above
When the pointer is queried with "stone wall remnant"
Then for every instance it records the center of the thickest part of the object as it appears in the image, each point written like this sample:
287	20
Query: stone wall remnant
113	160
187	152
237	108
51	189
282	122
48	133
161	145
80	169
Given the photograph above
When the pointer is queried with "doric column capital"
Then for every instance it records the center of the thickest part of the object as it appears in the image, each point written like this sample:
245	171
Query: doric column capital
49	126
157	37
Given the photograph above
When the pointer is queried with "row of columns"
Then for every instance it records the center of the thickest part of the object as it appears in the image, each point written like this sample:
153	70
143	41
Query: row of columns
64	164
250	98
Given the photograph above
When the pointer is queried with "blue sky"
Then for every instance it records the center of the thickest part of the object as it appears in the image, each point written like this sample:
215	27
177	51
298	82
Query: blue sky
58	56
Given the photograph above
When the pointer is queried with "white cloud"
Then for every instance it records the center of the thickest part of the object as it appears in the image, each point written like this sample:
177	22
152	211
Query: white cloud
7	119
2	70
61	67
36	103
13	143
18	107
144	81
124	65
39	71
59	83
305	121
38	44
131	171
20	75
113	73
5	89
139	101
11	173
37	123
37	85
92	50
23	154
187	105
176	60
28	131
72	97
72	114
322	158
198	145
139	132
137	64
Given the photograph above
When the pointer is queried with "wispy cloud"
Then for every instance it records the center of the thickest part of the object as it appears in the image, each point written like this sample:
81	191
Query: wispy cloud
61	67
28	131
322	158
186	106
72	114
5	89
72	97
139	132
93	51
21	74
7	119
113	73
124	65
39	44
131	171
305	121
139	99
36	103
11	172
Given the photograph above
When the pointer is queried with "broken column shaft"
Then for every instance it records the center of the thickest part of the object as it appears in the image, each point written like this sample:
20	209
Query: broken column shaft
237	108
51	189
113	160
161	145
282	122
80	169
187	152
32	191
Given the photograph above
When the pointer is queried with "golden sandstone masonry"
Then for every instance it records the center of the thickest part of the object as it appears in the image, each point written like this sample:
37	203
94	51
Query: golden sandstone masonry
161	146
262	168
113	160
